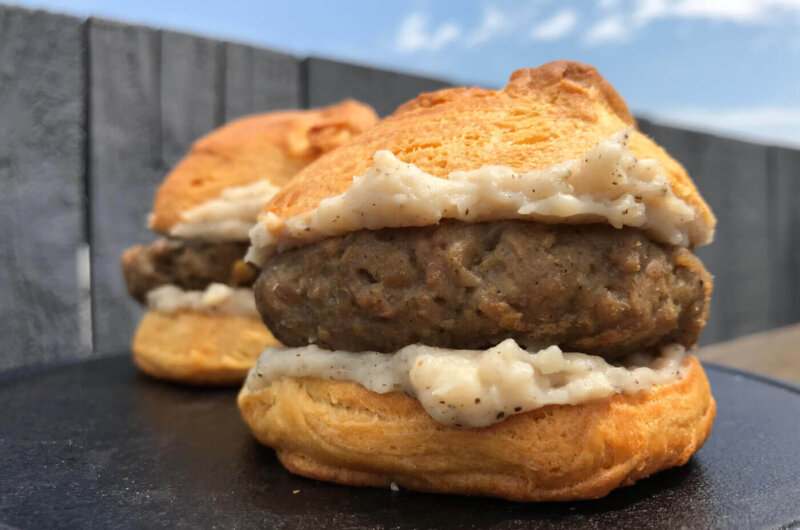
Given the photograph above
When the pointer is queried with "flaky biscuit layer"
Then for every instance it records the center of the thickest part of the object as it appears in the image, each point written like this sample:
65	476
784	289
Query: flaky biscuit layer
198	348
543	117
272	147
342	432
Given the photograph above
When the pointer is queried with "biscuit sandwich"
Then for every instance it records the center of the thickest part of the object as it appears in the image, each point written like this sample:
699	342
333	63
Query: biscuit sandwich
201	325
488	293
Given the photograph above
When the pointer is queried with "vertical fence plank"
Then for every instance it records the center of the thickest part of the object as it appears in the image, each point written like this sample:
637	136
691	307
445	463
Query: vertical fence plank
740	197
259	80
732	177
125	165
41	185
331	81
785	234
684	146
191	69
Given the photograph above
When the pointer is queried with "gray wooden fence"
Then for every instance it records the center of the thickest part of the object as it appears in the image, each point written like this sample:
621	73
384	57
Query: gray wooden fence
93	113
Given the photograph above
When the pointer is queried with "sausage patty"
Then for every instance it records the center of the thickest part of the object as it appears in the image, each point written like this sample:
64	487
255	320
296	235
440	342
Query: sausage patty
586	288
186	264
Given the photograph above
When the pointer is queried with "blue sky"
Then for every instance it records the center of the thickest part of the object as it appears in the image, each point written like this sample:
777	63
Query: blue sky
728	66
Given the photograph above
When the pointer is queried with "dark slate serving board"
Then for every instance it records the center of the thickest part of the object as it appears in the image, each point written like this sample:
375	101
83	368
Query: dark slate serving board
95	445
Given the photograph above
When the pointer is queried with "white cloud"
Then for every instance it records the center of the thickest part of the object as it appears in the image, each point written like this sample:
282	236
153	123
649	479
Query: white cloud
766	124
618	21
415	34
494	23
739	11
622	21
610	29
556	27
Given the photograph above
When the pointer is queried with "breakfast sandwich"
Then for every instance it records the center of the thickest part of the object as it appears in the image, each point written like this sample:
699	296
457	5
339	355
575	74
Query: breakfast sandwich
487	293
201	324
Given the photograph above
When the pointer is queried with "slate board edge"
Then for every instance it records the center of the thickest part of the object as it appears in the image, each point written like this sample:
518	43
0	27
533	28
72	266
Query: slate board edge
786	385
122	356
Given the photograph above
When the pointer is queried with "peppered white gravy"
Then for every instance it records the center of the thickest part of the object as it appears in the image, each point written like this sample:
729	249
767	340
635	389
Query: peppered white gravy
229	217
609	184
475	388
217	298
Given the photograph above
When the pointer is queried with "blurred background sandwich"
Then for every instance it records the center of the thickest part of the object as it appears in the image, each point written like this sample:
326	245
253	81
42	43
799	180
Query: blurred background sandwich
201	324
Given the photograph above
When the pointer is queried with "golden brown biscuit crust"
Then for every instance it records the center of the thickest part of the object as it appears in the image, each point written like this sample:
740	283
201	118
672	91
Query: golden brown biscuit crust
344	433
544	116
273	147
198	348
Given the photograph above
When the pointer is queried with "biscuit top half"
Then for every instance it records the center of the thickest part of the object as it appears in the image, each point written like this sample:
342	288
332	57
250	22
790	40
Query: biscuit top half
543	117
271	147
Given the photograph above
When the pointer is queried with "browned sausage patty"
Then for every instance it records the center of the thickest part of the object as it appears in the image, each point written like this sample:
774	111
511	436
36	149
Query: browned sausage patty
587	288
187	264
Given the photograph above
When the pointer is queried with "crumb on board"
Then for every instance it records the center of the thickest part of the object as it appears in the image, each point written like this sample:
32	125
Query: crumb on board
295	492
394	487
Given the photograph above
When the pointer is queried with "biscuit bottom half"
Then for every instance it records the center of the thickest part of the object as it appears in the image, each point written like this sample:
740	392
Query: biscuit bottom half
342	432
198	348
